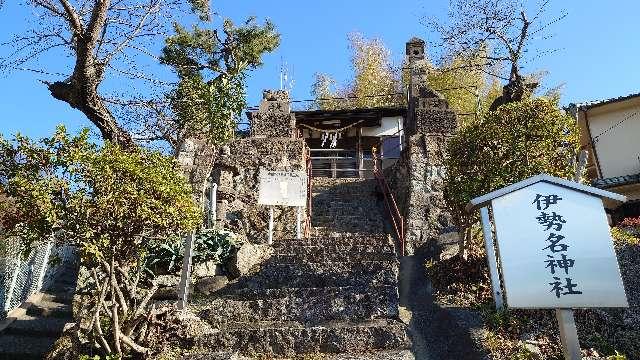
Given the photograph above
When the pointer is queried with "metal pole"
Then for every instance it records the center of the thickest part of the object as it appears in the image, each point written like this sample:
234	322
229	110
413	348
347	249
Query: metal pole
298	223
491	257
568	334
270	225
213	196
44	266
566	321
185	277
400	132
582	162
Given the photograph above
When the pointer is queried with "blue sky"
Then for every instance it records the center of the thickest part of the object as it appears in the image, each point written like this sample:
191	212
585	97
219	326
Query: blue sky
598	51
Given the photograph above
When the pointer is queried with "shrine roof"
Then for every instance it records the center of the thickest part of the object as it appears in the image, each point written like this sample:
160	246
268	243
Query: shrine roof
368	116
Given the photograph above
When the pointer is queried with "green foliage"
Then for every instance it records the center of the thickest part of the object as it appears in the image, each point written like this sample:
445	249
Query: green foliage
624	236
516	141
461	79
464	84
107	202
98	357
373	75
164	257
214	245
122	198
201	8
212	71
34	184
617	356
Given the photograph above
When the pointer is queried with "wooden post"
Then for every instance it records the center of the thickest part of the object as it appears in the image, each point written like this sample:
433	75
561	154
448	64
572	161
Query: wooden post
270	241
491	257
568	334
185	277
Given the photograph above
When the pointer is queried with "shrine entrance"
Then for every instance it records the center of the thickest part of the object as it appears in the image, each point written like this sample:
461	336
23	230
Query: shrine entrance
341	141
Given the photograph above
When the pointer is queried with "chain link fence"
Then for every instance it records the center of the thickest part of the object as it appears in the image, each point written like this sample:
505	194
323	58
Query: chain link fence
23	275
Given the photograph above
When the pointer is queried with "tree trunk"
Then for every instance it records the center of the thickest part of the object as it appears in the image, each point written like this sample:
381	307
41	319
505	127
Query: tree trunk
84	97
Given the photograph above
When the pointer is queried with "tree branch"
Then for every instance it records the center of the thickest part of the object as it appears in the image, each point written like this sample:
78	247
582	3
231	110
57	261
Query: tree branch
72	16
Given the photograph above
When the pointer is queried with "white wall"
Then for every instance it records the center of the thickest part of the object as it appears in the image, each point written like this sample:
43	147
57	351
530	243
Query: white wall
619	148
388	126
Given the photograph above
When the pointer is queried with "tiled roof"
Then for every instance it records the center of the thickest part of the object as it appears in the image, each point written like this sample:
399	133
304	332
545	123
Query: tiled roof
616	181
591	104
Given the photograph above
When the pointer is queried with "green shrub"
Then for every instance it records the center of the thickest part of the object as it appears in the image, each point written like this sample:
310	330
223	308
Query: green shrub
215	245
209	245
516	141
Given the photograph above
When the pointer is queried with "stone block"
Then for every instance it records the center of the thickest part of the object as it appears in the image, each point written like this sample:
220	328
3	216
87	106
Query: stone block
249	258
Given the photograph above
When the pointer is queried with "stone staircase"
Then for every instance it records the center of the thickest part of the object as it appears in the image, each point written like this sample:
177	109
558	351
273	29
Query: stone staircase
346	205
334	294
33	334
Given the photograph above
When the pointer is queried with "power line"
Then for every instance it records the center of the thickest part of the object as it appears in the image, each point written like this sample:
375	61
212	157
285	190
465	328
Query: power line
629	116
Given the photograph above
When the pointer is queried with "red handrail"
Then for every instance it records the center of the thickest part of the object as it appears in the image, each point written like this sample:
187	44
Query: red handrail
394	213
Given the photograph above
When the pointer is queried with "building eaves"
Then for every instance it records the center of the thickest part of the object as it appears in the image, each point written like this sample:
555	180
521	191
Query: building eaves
593	104
616	181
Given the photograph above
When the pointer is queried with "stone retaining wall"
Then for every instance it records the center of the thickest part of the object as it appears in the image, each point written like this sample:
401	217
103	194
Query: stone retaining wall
236	172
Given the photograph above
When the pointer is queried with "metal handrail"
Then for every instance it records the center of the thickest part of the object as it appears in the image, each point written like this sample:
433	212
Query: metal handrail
394	213
307	227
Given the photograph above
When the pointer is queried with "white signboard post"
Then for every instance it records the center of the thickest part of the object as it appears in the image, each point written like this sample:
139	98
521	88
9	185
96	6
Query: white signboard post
555	249
284	188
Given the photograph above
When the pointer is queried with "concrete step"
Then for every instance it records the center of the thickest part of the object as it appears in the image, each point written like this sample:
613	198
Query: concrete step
21	347
296	266
343	239
50	309
293	338
252	293
343	257
310	306
58	297
372	355
283	248
297	276
37	326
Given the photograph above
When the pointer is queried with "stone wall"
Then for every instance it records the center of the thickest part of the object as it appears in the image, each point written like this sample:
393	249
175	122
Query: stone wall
236	172
273	118
417	180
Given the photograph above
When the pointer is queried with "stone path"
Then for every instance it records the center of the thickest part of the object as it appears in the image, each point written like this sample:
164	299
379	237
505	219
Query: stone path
33	334
335	293
438	332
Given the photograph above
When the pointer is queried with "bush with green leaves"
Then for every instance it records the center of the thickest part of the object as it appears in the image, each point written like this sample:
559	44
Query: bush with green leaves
106	201
209	245
214	245
518	140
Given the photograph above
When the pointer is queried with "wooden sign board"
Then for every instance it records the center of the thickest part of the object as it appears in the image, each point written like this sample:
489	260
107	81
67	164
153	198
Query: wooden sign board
285	188
555	249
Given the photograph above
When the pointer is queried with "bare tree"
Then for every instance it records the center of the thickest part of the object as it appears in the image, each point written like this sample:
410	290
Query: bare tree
100	36
503	28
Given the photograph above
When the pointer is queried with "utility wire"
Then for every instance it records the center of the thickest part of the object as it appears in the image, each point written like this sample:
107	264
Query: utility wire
629	116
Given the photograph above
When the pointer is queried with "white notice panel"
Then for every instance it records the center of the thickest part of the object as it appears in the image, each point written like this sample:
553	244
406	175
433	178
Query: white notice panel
288	188
556	250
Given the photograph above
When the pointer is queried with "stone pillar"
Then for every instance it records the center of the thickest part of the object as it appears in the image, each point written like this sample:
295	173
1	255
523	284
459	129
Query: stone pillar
274	117
419	178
